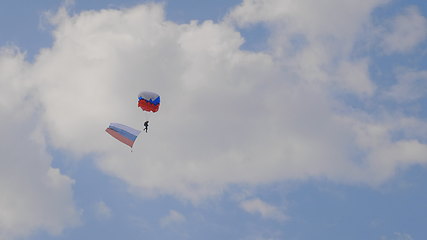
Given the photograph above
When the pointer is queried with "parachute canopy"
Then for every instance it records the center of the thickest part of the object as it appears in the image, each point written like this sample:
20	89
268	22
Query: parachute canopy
123	133
149	101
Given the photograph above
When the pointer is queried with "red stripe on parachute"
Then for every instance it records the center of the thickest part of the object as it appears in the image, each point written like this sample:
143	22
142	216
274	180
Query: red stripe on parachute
147	106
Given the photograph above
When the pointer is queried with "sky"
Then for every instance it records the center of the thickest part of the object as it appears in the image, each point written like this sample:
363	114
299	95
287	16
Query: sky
279	120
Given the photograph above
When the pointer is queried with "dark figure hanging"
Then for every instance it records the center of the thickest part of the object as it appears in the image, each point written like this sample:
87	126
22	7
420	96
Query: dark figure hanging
146	126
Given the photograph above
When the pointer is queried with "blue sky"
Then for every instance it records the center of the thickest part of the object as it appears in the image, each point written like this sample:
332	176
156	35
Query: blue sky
279	119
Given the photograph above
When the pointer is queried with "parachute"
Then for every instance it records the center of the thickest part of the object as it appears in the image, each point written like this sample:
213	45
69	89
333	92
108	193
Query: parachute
149	101
123	133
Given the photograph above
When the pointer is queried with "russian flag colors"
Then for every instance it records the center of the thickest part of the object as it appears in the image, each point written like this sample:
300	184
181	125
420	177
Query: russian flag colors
149	101
123	133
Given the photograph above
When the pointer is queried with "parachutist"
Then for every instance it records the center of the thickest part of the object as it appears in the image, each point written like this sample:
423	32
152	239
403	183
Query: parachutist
146	126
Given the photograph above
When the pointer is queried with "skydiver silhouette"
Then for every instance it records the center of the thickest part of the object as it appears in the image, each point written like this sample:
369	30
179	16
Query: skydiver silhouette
146	126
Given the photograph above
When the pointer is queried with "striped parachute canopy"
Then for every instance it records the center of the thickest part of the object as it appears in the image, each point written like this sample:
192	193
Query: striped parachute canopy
123	133
149	101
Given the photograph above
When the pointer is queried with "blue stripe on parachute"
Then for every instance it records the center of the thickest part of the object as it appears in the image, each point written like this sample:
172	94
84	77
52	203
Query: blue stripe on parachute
155	101
124	133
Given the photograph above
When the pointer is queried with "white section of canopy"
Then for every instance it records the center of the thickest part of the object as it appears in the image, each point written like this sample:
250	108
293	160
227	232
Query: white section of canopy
148	95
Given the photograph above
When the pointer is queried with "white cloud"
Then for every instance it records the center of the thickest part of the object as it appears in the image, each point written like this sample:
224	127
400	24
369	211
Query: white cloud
224	110
406	31
317	21
403	236
257	206
398	236
411	86
14	83
173	217
355	77
227	116
34	196
326	38
103	211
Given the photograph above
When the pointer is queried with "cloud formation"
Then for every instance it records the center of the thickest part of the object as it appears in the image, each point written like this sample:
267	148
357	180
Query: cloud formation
257	206
103	211
406	31
228	116
173	217
411	86
33	194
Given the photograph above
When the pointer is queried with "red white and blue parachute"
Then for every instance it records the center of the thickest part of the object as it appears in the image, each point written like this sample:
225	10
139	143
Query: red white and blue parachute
123	133
149	101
